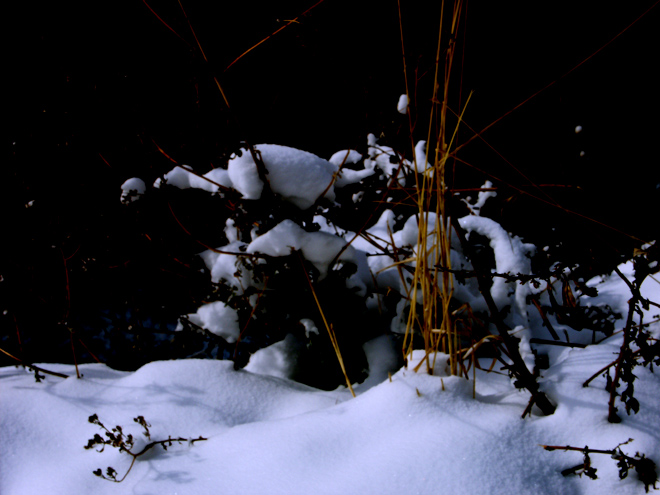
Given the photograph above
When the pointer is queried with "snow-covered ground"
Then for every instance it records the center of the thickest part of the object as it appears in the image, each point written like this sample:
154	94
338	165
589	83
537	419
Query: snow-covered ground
413	433
255	431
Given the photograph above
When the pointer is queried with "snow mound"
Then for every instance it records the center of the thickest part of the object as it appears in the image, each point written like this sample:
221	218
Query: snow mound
413	433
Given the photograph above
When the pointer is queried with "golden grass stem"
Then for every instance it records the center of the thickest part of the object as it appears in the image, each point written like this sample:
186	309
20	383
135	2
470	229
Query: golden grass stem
328	327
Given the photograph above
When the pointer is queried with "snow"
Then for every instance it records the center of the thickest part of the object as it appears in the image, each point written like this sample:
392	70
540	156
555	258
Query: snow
177	177
402	105
345	157
319	248
275	360
300	177
420	157
511	256
413	433
131	190
406	431
217	318
224	266
484	195
388	161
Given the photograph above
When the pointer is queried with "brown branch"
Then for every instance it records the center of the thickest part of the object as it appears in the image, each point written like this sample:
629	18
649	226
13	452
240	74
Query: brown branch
164	23
546	321
32	366
555	342
612	416
518	367
149	446
219	251
292	21
585	450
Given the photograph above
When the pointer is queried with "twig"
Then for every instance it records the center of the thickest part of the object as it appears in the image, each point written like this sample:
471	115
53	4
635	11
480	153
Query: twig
149	446
645	467
249	319
292	21
555	342
509	277
201	243
605	368
518	367
612	416
118	439
32	366
544	317
164	23
68	305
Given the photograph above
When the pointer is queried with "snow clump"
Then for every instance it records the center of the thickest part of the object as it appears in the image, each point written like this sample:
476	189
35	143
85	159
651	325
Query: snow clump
298	176
402	106
217	318
132	189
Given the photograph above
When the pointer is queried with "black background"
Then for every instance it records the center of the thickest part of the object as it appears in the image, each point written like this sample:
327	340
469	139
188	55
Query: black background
95	86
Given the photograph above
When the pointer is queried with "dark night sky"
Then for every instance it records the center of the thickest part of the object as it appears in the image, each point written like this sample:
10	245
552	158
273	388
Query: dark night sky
108	78
94	84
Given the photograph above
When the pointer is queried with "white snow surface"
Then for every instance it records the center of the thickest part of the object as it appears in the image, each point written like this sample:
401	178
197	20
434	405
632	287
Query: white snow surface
413	433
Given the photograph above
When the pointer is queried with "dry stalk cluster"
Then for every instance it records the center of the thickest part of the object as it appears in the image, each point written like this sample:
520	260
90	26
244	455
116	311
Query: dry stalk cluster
116	438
